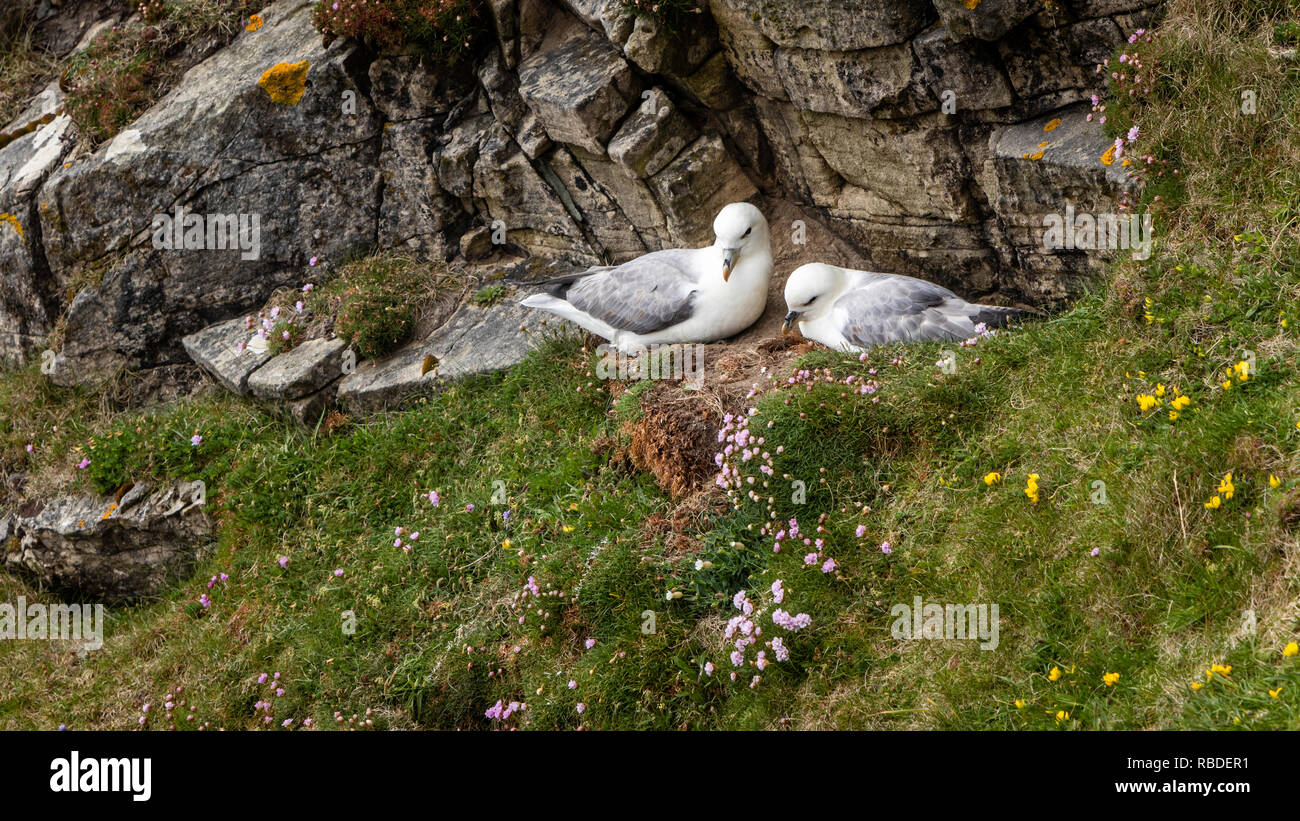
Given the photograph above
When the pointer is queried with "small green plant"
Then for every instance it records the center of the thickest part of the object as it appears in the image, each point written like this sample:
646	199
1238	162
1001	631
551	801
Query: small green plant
1287	33
375	301
24	66
489	296
149	447
111	81
285	335
447	28
672	14
129	67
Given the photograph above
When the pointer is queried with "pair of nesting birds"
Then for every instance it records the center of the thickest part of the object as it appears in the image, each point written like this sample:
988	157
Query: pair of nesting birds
704	294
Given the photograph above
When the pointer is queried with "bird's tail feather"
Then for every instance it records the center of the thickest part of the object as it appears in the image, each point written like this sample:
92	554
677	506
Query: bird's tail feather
561	308
997	316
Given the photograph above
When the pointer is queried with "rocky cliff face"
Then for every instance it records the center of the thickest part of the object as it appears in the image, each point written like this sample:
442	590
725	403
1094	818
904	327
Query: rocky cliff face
931	135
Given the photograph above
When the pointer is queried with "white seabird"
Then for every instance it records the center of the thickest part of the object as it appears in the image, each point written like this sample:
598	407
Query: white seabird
849	310
673	295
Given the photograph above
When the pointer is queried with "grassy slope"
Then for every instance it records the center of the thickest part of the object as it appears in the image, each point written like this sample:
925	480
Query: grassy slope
1161	602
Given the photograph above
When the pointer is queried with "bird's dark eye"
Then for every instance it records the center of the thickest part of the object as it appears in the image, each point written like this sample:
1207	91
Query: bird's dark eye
747	231
814	299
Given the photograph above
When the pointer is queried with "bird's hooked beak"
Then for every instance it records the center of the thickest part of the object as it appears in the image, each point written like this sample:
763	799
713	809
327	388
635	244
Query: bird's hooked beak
728	262
789	322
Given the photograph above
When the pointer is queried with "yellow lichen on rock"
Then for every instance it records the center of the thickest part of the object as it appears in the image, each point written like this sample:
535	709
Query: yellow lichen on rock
12	220
284	83
254	23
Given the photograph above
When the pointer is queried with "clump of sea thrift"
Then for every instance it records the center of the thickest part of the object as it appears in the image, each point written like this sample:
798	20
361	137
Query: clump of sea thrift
745	631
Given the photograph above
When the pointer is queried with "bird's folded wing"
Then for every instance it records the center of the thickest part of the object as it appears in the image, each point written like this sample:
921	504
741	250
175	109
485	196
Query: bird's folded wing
643	295
896	309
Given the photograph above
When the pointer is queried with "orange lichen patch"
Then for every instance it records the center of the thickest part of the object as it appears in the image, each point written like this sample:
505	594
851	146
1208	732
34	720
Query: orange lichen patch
1109	156
12	220
254	23
1051	125
1037	155
971	4
285	83
1043	144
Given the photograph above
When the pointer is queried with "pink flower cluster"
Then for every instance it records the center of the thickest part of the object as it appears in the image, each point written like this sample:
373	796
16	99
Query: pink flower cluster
789	622
744	631
411	538
502	711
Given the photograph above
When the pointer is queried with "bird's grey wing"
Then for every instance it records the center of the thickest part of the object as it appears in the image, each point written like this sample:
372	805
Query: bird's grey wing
896	309
643	295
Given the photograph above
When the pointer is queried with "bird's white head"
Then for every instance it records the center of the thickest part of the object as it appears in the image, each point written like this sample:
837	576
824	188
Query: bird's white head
810	291
739	229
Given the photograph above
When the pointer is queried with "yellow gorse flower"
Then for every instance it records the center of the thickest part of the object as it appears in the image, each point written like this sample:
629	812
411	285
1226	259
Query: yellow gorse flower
1020	704
1180	402
1291	650
1062	715
1273	481
1214	503
1146	401
992	478
1275	693
1031	488
1055	674
1110	679
1226	487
